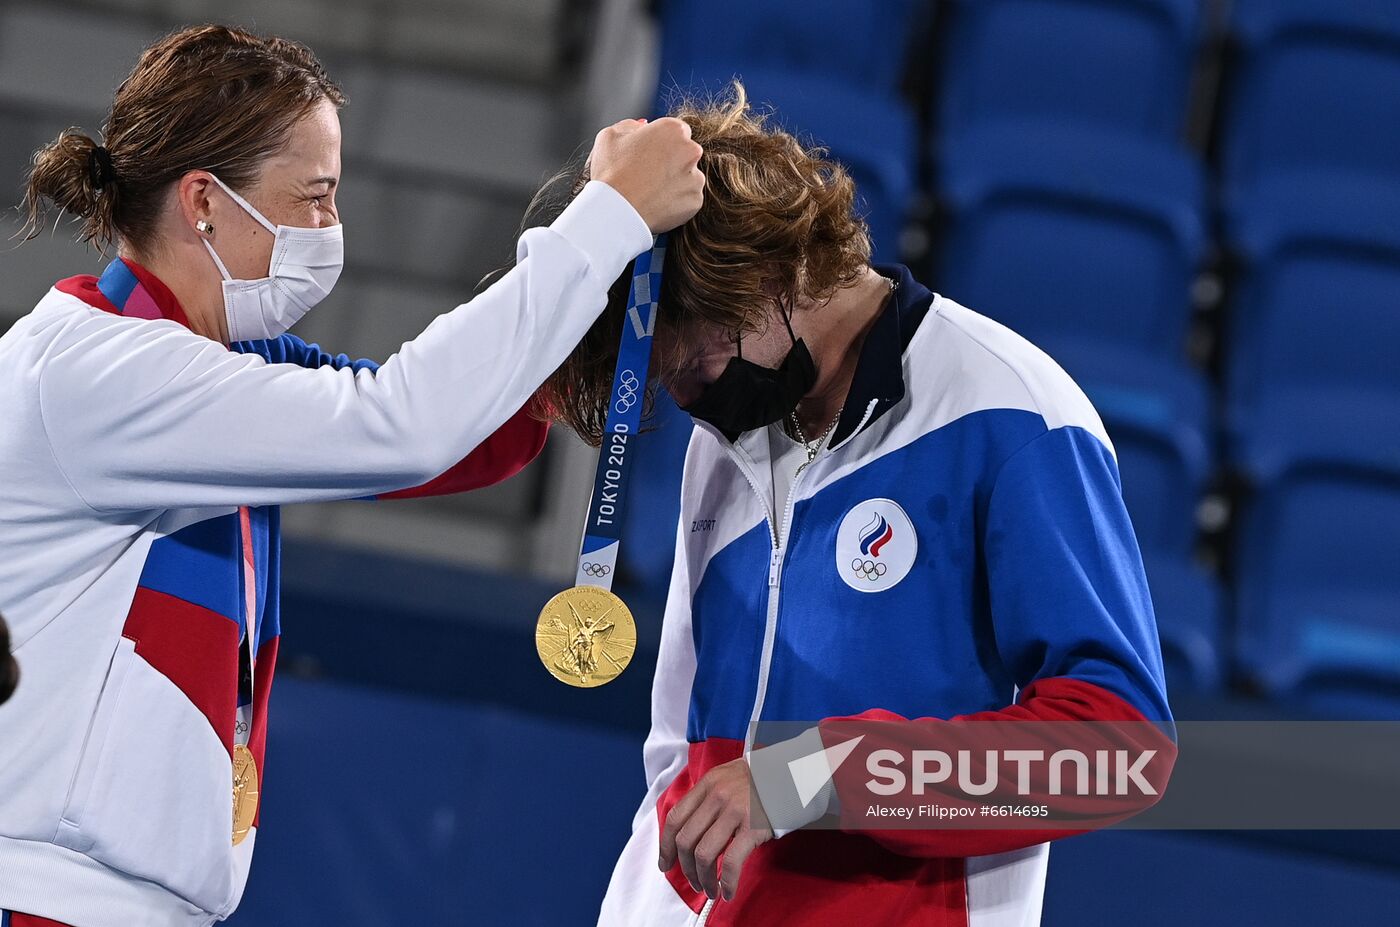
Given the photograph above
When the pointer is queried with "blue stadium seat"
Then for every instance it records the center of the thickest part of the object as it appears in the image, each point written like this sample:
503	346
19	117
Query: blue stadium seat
654	500
864	45
1318	87
1317	590
1189	606
874	136
1159	415
1118	64
1313	419
1095	234
1312	377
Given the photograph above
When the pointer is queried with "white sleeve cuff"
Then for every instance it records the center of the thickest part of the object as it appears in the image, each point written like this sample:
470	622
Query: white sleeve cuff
782	787
604	226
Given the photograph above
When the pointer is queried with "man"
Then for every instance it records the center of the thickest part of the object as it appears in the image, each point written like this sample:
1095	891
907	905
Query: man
892	508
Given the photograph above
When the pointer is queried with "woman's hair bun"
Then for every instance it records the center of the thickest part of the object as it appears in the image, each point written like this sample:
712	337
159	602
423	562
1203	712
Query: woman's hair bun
76	175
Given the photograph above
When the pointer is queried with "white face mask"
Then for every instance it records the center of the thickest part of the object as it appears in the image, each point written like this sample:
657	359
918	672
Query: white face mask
305	266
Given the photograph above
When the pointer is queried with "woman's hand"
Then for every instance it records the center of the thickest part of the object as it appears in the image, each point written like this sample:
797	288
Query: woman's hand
654	167
717	818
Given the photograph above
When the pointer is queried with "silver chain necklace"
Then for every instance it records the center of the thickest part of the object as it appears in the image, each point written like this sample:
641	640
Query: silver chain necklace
812	447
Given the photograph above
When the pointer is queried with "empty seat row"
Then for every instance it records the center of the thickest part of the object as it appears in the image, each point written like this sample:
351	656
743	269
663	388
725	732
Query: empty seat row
1310	84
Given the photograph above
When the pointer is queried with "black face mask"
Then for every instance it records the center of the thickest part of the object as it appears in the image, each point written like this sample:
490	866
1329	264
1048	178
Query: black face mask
747	396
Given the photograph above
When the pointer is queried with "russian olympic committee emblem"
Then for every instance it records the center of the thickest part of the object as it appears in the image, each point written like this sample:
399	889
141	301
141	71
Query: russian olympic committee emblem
875	546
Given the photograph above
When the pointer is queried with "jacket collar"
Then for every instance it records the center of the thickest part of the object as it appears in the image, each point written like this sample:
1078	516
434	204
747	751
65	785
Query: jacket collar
878	383
126	288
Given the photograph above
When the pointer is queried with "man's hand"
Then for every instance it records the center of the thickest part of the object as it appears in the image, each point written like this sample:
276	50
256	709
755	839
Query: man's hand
654	167
717	818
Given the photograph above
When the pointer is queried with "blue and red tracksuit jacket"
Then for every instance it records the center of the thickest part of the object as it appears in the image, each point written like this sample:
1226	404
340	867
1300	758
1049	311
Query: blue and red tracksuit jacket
959	553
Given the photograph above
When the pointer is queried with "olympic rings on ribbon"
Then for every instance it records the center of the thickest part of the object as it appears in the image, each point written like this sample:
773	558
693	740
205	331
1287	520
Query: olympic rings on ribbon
596	569
868	569
627	391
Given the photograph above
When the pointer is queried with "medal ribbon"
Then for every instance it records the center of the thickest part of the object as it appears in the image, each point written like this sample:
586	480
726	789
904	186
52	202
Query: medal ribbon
243	725
602	533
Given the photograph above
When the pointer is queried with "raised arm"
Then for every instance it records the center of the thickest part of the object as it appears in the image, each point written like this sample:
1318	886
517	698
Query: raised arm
502	455
143	415
146	415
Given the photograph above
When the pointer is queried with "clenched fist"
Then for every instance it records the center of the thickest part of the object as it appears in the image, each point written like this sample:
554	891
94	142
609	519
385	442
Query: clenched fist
654	166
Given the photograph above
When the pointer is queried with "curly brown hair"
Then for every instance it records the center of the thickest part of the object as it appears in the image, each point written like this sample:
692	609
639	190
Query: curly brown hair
778	228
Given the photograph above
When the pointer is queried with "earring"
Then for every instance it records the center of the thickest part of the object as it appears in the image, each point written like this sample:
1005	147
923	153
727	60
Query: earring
206	227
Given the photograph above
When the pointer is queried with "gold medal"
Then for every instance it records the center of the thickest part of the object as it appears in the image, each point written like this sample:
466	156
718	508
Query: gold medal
245	792
585	636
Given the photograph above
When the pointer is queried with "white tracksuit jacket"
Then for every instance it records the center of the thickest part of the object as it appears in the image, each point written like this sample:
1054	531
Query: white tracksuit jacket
120	434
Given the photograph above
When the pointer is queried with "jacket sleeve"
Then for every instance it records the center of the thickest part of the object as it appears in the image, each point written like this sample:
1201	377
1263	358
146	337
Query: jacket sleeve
1074	628
145	416
504	454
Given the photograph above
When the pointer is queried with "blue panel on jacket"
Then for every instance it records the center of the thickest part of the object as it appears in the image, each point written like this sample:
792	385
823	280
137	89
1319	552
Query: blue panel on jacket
199	564
922	647
727	620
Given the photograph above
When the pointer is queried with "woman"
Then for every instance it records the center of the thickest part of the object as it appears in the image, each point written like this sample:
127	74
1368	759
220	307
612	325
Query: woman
156	416
895	514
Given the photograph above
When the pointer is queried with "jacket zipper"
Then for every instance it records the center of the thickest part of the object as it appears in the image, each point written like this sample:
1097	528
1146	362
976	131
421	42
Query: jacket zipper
776	559
770	627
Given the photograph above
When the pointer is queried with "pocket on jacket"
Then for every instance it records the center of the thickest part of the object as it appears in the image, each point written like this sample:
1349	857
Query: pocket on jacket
94	743
153	795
